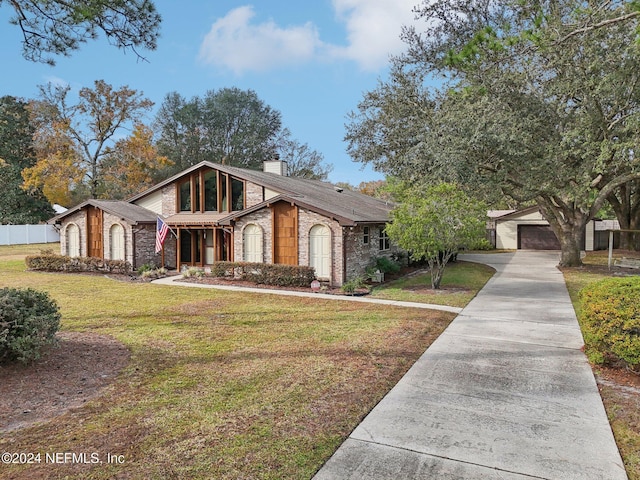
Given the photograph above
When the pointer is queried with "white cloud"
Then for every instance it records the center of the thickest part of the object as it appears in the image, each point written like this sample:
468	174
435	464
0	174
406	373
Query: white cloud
373	34
373	29
240	46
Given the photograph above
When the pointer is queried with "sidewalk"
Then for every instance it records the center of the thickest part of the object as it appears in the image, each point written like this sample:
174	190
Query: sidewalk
175	281
504	393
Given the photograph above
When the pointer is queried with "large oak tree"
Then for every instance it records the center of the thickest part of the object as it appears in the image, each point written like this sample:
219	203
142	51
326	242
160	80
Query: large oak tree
539	102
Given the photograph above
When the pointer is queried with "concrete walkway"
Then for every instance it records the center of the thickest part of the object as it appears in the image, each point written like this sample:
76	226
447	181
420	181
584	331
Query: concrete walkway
175	281
503	393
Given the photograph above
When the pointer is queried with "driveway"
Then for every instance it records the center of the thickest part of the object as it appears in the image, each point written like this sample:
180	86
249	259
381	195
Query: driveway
504	393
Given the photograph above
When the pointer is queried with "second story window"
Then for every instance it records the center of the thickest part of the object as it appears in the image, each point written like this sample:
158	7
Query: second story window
185	196
210	191
365	236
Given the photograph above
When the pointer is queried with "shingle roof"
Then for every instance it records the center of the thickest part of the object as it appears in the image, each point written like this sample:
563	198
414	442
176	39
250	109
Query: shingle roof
129	212
346	206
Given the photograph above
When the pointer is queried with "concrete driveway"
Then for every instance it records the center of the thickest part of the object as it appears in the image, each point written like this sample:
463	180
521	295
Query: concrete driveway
504	393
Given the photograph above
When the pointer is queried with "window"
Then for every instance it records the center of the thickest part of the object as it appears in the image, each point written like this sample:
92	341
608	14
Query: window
237	195
185	196
210	191
384	240
223	193
73	240
365	236
196	193
116	241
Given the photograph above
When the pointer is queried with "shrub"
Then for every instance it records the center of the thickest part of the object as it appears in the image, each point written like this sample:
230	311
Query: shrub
50	262
153	273
386	265
610	318
265	273
29	320
352	285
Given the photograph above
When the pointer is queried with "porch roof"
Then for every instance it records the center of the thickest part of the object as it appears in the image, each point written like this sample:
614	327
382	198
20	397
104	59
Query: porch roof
195	219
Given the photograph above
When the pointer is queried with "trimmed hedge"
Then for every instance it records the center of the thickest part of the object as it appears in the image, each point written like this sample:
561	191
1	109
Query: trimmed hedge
29	320
610	319
264	273
50	262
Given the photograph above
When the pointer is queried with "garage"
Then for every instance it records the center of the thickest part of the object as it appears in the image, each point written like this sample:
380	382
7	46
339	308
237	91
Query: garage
537	237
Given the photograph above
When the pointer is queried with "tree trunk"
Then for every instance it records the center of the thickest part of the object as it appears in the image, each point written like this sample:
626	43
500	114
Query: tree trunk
436	276
570	250
625	202
569	226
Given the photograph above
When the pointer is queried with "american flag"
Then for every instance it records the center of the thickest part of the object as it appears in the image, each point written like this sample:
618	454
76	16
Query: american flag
161	233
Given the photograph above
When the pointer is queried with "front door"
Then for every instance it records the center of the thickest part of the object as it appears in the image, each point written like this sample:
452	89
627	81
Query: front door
94	232
320	251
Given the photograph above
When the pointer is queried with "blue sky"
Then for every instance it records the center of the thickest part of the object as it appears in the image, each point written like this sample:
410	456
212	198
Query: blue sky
311	62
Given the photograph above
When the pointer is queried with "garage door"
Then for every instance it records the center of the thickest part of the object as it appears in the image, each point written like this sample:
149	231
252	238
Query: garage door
537	237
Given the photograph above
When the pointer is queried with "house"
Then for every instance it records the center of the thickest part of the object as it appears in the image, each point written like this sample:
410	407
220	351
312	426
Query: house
527	229
222	213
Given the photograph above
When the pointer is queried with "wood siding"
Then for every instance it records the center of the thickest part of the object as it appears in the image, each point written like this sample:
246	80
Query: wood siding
285	233
94	232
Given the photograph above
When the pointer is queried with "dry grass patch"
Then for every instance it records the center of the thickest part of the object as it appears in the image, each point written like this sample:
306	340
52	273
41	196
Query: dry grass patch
219	384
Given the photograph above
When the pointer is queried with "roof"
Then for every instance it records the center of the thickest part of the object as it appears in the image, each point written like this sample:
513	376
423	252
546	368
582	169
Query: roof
194	219
128	212
517	213
346	206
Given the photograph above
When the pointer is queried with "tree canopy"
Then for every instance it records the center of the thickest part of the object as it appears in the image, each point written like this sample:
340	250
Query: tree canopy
229	126
540	102
73	140
301	160
17	205
434	223
233	127
58	27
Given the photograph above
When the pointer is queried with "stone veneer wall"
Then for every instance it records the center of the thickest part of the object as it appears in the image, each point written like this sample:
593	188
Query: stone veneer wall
140	240
306	220
145	247
80	219
262	218
169	199
361	255
254	194
108	220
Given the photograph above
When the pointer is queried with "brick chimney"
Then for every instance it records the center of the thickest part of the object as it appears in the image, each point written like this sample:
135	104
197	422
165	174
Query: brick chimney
277	166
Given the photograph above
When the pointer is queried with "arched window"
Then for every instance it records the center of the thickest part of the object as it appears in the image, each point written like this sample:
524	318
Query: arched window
252	243
116	240
73	240
320	250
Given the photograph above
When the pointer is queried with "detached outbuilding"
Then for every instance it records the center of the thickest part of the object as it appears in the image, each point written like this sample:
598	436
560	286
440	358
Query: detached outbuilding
527	229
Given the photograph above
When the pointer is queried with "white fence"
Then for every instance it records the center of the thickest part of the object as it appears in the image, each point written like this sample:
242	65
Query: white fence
25	234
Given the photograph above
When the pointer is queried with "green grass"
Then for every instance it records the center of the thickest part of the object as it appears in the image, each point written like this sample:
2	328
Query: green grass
460	283
220	384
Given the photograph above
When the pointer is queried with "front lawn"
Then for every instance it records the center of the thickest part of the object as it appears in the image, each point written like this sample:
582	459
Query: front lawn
220	384
460	283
